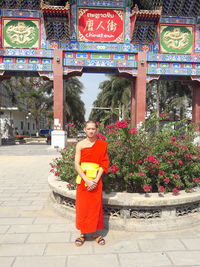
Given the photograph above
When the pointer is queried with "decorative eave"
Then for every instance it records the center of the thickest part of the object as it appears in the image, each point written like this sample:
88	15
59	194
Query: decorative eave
56	21
57	10
146	14
189	8
144	25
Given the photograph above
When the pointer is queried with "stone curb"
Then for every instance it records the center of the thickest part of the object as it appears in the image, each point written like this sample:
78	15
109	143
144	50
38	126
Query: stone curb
134	212
130	199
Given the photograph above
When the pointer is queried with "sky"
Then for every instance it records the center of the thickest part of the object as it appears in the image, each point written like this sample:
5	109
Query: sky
91	89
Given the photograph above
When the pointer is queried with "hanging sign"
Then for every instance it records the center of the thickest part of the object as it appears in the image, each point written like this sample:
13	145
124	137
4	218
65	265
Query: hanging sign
101	25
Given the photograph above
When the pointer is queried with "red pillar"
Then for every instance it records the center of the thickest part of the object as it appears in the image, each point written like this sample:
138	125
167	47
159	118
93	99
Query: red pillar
58	90
196	103
139	93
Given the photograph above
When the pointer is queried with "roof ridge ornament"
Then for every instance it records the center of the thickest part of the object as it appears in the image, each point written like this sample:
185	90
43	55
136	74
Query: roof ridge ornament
136	11
44	5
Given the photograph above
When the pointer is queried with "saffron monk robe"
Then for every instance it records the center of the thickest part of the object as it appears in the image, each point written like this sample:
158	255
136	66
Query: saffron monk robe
91	160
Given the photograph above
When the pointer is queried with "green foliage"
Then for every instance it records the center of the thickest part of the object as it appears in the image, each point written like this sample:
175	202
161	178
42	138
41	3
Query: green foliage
64	165
144	159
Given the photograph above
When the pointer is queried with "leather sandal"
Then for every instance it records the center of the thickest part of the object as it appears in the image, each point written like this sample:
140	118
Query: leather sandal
80	240
100	240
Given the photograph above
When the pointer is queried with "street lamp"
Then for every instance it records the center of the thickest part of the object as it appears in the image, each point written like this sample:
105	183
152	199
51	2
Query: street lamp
29	117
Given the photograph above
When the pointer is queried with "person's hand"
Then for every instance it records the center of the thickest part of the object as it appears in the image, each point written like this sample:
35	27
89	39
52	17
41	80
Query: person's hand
91	184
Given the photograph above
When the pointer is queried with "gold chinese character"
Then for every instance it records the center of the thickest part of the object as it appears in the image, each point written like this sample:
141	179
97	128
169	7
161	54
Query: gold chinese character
111	26
89	25
101	26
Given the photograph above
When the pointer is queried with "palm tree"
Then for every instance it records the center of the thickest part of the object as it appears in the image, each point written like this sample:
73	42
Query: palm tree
74	106
115	94
168	95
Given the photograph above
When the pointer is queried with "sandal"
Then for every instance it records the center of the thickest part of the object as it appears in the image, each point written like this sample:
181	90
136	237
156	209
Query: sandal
80	240
100	240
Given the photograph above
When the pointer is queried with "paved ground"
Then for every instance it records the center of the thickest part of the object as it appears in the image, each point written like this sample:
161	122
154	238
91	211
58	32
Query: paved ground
33	235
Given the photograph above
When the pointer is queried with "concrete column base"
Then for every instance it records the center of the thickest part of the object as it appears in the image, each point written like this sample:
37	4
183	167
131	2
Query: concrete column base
197	138
58	139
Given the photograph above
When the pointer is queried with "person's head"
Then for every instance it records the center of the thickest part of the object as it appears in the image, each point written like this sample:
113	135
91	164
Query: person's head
90	129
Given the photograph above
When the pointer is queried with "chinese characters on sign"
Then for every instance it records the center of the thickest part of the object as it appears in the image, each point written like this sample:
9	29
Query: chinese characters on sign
100	25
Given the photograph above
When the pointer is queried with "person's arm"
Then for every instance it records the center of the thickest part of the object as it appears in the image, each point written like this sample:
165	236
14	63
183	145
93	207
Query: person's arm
104	166
78	167
99	174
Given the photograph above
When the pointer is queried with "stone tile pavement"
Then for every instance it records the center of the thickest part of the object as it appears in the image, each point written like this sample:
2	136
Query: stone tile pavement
33	235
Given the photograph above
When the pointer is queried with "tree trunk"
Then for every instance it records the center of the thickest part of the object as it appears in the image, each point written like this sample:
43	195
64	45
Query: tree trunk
157	104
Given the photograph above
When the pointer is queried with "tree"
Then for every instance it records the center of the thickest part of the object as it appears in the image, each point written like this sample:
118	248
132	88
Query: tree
115	94
167	96
37	97
74	106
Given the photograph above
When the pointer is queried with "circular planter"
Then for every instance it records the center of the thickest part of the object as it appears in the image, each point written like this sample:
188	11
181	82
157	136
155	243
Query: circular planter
132	211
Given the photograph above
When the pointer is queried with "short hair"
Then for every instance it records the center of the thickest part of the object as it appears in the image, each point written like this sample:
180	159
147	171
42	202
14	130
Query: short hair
90	121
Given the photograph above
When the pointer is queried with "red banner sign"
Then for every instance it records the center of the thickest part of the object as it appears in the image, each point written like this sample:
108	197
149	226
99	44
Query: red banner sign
101	25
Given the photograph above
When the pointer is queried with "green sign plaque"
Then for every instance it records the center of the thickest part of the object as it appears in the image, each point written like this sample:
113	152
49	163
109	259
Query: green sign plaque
21	33
176	39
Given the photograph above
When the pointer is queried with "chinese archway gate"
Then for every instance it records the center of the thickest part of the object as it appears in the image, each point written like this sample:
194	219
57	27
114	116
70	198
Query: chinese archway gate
142	40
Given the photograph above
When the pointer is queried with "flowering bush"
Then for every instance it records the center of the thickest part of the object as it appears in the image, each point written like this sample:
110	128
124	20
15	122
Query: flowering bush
145	159
19	137
63	167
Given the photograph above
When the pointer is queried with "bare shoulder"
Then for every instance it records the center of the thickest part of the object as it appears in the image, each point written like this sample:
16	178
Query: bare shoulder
80	144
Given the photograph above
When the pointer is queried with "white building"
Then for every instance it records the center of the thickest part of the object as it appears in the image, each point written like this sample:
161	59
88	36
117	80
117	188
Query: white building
14	122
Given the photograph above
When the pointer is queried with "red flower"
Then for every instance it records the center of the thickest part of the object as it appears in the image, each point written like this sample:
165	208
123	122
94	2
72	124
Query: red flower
183	137
175	191
111	131
147	188
121	124
176	176
51	170
110	126
156	161
98	123
133	130
173	138
196	180
161	189
162	114
71	125
141	173
166	180
56	173
114	169
185	148
139	161
101	136
180	162
161	173
150	158
188	156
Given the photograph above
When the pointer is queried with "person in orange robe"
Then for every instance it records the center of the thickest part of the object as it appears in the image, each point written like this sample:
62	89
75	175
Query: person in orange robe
92	153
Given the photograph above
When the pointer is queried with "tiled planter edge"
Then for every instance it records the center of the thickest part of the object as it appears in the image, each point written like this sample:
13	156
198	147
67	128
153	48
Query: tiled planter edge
132	211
